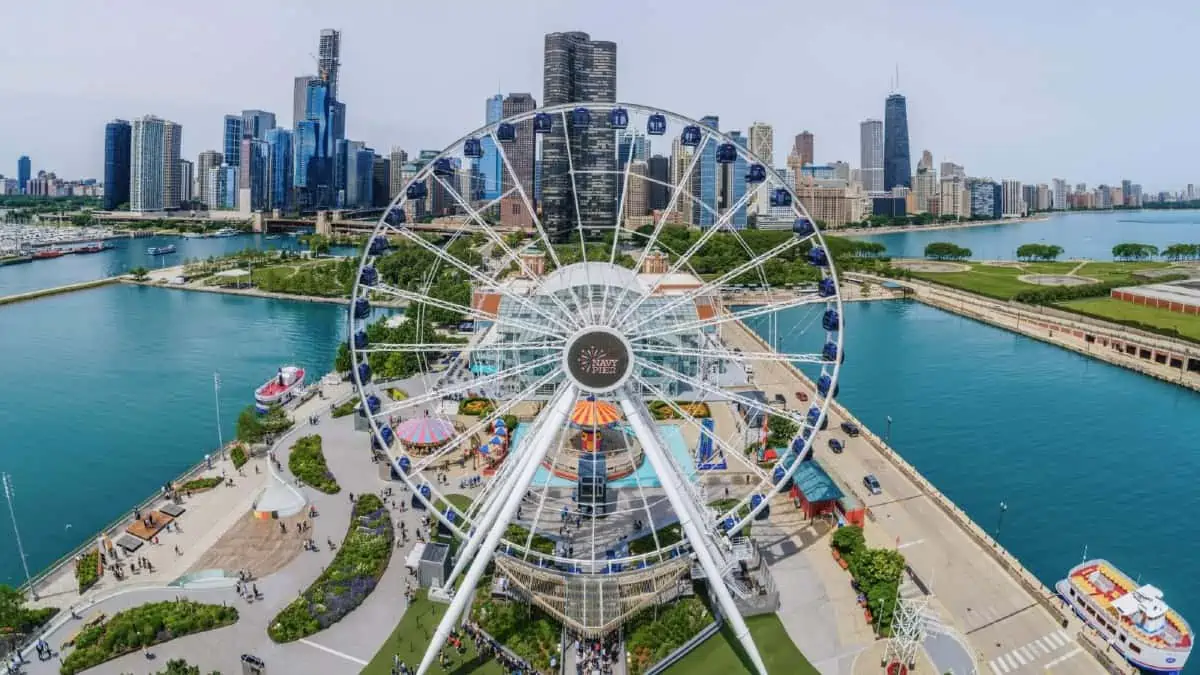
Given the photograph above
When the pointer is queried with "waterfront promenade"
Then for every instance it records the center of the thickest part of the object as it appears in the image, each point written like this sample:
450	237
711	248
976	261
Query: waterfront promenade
894	229
1010	620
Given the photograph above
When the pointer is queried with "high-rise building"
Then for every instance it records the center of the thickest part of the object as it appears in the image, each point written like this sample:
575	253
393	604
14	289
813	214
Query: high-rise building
305	154
257	123
1059	199
364	161
117	140
346	179
1127	193
233	139
658	168
520	155
24	172
897	165
803	147
146	165
953	197
924	184
681	159
491	168
1028	199
870	134
209	159
762	142
222	184
280	179
329	58
637	198
926	161
1043	197
1136	195
187	179
578	69
300	98
398	159
735	182
952	170
706	186
1010	206
381	181
254	175
172	151
986	198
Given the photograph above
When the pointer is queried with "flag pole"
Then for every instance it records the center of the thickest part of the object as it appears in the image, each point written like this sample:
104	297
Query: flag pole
217	402
7	480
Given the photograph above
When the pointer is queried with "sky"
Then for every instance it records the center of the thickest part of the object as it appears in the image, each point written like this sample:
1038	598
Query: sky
1029	89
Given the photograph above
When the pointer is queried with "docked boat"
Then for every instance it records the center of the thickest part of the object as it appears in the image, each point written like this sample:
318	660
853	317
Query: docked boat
48	253
226	232
280	388
91	248
161	250
1132	618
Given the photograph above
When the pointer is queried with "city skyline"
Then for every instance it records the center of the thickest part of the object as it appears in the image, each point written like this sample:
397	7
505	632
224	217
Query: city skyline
1046	135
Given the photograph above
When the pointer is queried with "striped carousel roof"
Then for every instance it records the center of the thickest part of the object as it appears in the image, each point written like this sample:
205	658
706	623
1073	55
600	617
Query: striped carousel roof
593	413
424	431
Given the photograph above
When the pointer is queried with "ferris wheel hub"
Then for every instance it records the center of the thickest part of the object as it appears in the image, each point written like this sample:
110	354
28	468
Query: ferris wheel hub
598	359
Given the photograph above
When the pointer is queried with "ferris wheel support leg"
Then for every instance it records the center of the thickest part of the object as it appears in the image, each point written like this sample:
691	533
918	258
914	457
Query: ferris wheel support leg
556	418
689	519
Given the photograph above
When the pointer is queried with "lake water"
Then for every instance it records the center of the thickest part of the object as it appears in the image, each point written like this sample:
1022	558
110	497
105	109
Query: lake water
1082	235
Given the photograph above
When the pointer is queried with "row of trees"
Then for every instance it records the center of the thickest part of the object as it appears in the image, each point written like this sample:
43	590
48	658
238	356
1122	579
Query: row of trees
1054	294
1043	252
1134	251
1182	252
944	250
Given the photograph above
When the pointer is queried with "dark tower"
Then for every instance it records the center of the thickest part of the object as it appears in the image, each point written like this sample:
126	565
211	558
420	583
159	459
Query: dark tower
118	137
657	195
897	166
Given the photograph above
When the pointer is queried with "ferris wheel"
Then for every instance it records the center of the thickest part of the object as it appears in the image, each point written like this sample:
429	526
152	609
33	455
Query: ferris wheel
597	434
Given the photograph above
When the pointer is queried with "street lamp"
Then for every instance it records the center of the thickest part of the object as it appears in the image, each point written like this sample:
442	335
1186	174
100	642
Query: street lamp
1000	518
887	438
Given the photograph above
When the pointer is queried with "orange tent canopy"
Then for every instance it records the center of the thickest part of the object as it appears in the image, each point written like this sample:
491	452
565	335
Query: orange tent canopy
589	414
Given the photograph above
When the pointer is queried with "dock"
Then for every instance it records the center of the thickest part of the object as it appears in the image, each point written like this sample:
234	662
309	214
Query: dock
57	290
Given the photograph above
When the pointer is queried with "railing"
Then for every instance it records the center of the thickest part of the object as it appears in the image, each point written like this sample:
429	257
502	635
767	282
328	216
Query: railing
682	650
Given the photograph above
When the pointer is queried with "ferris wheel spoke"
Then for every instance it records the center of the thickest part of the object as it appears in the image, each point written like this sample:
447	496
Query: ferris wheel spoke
591	309
616	242
738	315
498	318
446	347
662	220
537	222
714	285
719	394
537	515
742	357
468	386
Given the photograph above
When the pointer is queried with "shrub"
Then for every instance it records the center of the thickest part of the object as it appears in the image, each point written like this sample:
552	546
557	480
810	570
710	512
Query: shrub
238	455
197	484
149	624
661	410
876	571
1052	294
16	618
349	579
307	462
87	570
476	407
345	408
656	633
524	629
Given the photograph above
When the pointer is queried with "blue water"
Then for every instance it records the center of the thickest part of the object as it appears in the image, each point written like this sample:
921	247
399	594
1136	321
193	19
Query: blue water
107	393
644	476
1082	235
1083	453
131	253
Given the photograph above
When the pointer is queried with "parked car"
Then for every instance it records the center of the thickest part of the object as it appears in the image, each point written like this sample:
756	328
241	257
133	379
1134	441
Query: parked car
872	484
801	396
836	446
850	428
779	399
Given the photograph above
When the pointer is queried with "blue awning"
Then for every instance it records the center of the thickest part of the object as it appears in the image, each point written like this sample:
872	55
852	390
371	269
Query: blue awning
815	484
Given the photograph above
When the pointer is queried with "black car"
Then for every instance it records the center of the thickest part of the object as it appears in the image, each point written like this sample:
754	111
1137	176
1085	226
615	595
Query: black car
835	445
850	428
780	400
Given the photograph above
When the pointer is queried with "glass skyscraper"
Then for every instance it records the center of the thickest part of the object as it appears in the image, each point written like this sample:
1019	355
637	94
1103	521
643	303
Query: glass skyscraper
705	179
118	136
305	150
737	183
897	165
491	167
234	127
257	123
24	173
281	180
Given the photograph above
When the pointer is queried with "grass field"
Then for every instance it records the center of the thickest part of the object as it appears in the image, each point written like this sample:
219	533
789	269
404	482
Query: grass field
1188	325
412	635
718	656
1002	283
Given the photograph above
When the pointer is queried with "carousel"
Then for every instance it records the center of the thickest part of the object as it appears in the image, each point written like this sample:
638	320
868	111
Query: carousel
596	428
423	435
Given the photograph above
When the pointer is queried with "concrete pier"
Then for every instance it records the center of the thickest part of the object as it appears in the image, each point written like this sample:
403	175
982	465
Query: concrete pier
57	290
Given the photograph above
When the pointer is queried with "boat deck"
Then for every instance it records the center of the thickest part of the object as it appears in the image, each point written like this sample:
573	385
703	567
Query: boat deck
1113	584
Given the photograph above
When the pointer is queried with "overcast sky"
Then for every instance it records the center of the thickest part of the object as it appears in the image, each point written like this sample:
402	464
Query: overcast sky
1092	91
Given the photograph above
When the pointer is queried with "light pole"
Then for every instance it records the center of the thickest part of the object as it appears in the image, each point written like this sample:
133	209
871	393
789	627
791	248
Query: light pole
217	402
1000	518
7	480
887	437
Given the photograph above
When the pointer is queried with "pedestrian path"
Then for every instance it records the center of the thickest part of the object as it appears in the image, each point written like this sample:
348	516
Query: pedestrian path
1045	652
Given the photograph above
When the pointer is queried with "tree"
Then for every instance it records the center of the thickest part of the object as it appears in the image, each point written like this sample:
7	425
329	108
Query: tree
342	362
1134	251
318	244
249	428
849	540
941	250
140	273
1038	251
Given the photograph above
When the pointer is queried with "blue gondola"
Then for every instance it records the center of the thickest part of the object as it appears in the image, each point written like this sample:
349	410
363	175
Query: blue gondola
451	515
416	191
369	276
426	492
405	465
781	197
728	524
618	118
379	244
505	131
362	308
542	123
755	501
360	337
806	432
814	415
757	173
656	124
830	352
690	136
817	257
373	403
726	153
830	320
823	386
778	475
473	148
364	373
800	226
443	167
581	118
395	216
798	445
388	436
826	288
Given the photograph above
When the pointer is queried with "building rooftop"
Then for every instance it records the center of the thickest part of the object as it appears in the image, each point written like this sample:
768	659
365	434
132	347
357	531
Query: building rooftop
1186	292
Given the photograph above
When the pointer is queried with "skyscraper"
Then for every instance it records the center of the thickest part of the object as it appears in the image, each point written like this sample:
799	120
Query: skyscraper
256	123
398	159
762	142
490	166
1059	196
300	98
519	152
578	69
636	202
381	182
736	181
172	180
1010	205
705	187
658	169
209	159
318	177
233	139
897	166
186	179
329	58
803	147
254	175
279	141
146	165
24	173
117	139
304	153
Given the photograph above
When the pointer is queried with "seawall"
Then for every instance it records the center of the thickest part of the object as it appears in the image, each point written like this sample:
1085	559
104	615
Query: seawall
57	290
257	293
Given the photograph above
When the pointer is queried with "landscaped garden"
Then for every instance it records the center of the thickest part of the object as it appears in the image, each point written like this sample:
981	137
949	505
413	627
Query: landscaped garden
199	484
349	578
142	626
876	571
15	618
668	535
238	454
345	408
528	631
87	570
412	636
721	654
255	428
655	633
518	535
307	462
663	410
476	407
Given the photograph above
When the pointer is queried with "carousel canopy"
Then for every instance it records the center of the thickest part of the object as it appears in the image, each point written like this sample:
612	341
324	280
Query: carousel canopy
591	413
425	431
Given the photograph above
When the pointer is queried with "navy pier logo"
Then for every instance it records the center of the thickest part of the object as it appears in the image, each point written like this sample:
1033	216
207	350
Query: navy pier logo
595	361
598	360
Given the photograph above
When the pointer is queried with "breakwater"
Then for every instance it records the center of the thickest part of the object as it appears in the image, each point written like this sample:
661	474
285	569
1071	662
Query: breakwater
58	290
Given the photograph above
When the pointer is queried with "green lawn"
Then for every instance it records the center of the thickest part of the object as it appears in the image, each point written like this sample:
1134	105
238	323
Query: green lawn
1188	325
718	656
1002	283
412	635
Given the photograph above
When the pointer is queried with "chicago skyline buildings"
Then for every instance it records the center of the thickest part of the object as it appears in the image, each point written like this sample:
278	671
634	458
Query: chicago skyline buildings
897	165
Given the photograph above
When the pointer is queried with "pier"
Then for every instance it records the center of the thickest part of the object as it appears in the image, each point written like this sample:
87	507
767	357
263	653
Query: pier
57	290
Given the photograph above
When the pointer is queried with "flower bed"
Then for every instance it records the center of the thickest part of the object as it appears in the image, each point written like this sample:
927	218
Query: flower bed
876	573
671	534
476	407
149	624
349	579
199	484
307	462
654	634
345	408
528	631
87	570
663	410
239	456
